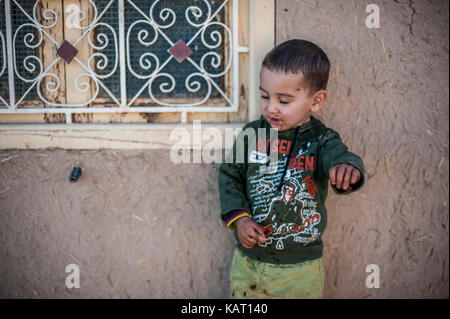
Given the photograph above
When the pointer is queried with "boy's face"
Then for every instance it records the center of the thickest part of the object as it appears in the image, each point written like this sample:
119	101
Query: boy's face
284	102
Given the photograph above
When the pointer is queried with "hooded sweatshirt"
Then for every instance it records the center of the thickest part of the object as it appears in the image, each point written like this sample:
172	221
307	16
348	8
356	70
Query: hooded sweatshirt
287	198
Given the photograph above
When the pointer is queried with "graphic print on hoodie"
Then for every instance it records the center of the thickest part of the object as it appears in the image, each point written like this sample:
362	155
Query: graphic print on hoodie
291	213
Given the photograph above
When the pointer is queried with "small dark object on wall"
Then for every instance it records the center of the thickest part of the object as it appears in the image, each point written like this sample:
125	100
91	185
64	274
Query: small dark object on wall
76	172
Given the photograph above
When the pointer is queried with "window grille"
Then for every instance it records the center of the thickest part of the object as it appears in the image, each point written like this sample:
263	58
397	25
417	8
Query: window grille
26	69
134	56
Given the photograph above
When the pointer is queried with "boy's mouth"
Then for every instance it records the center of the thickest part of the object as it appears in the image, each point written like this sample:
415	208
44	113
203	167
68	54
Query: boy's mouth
274	121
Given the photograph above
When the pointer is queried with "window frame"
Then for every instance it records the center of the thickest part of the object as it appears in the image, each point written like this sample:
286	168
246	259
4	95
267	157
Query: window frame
260	19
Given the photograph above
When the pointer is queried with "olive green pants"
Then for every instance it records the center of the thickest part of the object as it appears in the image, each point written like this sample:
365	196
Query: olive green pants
250	278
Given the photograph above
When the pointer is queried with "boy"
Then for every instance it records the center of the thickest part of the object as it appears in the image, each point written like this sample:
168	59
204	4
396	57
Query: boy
279	214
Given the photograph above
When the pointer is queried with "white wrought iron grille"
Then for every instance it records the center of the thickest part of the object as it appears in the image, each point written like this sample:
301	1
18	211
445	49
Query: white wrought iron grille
133	56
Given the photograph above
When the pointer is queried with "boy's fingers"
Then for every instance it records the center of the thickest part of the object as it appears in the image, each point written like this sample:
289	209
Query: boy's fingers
245	245
340	176
248	245
356	175
256	238
260	234
332	174
253	236
347	177
248	242
261	239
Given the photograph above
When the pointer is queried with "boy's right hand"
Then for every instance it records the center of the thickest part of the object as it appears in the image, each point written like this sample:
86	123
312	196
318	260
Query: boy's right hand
249	232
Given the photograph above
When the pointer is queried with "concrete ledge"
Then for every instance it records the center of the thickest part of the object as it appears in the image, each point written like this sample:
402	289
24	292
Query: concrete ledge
98	136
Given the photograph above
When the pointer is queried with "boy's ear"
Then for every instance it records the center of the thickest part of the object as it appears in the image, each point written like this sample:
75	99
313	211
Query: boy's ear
318	100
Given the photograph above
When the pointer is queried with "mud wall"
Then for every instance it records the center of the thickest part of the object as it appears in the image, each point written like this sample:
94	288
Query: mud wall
136	225
140	226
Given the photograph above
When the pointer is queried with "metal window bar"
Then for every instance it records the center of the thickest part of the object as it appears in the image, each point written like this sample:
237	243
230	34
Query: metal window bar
4	92
113	75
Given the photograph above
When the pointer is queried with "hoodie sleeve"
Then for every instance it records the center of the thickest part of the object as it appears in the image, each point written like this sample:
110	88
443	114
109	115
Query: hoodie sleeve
332	152
232	188
233	197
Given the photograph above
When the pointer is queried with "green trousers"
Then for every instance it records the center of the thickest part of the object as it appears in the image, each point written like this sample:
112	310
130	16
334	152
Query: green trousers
250	278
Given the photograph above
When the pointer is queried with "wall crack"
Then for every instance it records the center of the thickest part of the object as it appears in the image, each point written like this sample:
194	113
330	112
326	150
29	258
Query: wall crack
412	17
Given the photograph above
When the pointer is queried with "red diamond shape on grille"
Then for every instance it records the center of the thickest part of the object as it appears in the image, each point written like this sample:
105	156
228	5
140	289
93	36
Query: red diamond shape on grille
67	51
180	51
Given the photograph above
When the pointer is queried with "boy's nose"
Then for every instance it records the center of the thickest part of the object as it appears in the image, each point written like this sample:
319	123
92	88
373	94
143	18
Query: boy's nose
271	107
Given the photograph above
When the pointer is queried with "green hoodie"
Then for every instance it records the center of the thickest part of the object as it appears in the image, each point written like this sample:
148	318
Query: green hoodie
291	211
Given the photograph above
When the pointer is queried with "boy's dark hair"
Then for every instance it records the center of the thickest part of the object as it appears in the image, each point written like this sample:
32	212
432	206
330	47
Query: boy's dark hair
300	56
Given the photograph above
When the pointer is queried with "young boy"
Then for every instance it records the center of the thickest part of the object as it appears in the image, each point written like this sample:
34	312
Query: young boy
278	208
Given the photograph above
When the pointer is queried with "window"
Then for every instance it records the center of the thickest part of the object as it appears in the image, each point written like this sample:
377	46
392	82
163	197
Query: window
136	60
199	50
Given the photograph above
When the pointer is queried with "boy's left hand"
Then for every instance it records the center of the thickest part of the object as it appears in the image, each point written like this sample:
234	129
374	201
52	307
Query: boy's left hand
342	175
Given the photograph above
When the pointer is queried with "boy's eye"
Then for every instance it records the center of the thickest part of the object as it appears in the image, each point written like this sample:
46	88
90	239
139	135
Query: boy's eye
264	97
284	102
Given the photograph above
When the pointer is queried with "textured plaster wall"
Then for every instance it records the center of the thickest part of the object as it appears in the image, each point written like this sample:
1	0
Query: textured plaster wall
139	226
